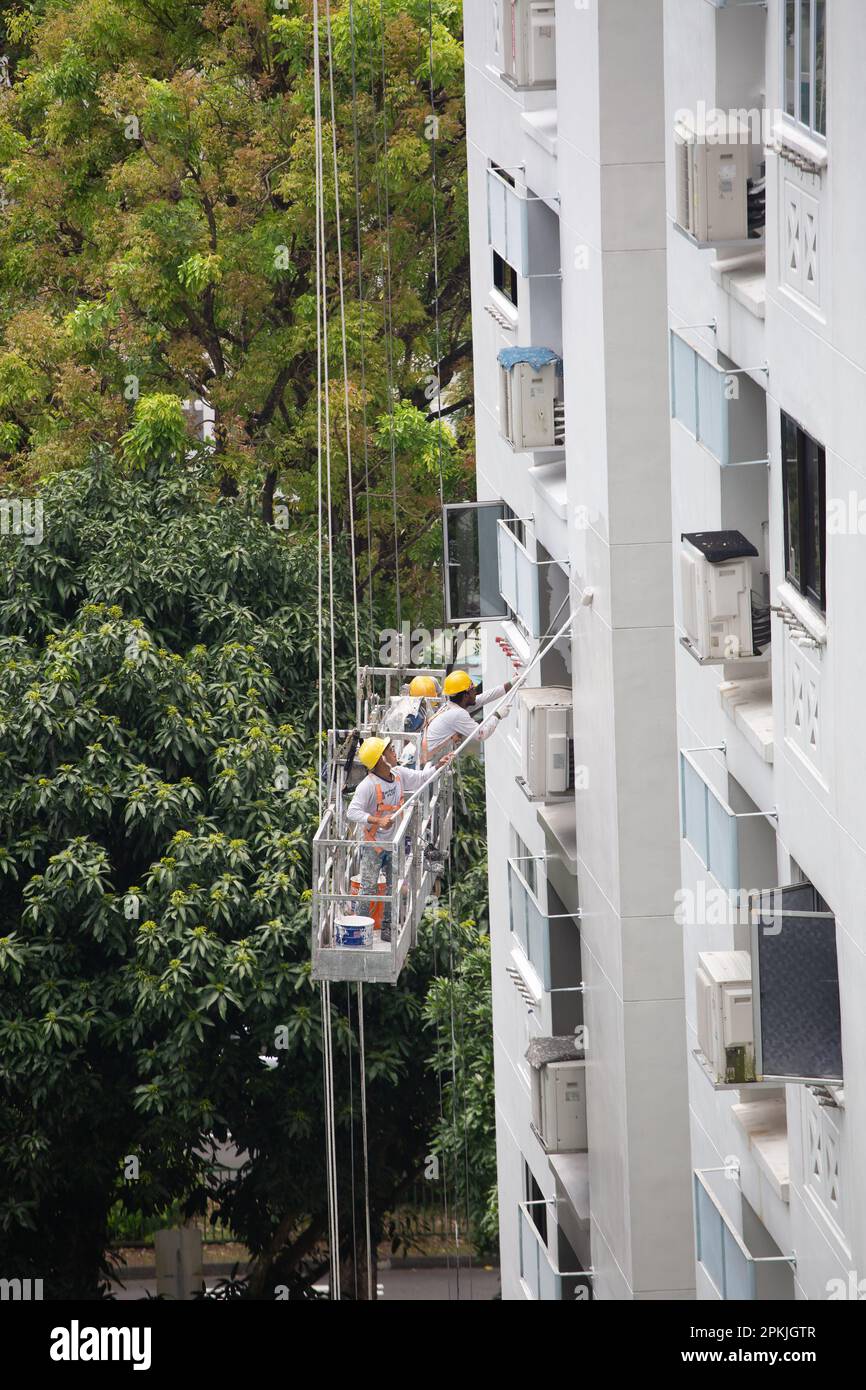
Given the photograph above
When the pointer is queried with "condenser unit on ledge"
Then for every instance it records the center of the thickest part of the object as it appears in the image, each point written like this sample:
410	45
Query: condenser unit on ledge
531	405
525	35
546	744
726	1038
719	202
558	1079
723	618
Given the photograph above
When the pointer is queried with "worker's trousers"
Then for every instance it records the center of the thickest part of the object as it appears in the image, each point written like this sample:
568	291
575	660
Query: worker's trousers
373	863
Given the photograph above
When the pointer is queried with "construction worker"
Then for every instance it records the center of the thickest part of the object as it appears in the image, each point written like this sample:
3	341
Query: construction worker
375	806
423	696
453	723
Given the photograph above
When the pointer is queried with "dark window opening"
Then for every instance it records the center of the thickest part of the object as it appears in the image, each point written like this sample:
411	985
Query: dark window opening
538	1213
804	491
505	278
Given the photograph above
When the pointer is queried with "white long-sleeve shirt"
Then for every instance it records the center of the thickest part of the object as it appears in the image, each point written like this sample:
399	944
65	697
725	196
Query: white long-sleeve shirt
365	802
452	724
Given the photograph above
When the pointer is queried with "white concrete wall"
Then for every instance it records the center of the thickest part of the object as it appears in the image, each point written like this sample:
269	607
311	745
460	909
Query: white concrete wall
609	171
816	355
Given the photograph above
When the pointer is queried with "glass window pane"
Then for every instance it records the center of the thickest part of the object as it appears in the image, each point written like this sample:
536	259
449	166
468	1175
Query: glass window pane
683	385
791	485
694	810
496	215
507	567
813	560
722	843
806	62
516	209
471	558
528	608
709	1237
519	899
798	981
820	67
538	936
790	56
712	422
739	1271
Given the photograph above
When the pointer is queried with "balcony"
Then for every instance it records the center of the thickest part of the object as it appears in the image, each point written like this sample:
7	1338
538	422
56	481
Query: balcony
720	406
549	941
542	1280
735	1252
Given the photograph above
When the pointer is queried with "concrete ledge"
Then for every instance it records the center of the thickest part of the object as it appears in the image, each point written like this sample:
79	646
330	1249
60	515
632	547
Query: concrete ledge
749	703
744	278
764	1122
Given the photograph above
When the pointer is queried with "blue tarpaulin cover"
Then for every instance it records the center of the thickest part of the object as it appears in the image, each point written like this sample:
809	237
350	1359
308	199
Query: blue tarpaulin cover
537	357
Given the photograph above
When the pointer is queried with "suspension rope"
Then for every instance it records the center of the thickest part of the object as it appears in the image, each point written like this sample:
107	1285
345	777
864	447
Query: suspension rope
389	327
362	306
352	1141
433	136
434	179
371	1292
322	379
338	220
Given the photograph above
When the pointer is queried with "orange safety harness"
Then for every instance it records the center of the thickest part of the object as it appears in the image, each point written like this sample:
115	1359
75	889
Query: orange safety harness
374	824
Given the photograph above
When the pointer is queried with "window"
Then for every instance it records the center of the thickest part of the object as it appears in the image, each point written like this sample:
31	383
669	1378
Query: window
470	532
803	487
525	860
805	64
534	1194
795	988
507	219
505	278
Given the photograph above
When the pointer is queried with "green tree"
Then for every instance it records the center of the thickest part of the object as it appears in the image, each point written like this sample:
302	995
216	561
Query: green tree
157	234
459	1007
158	672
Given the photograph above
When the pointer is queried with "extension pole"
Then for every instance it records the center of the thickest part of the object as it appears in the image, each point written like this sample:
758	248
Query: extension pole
506	698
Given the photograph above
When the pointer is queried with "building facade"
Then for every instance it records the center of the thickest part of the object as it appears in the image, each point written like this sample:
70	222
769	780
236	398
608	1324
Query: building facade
668	377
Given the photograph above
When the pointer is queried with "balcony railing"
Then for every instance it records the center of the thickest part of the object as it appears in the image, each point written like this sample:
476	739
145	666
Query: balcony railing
541	1278
722	1252
721	407
711	826
529	921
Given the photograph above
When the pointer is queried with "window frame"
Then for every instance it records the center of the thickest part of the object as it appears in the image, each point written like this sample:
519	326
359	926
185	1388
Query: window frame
452	618
812	586
505	279
794	118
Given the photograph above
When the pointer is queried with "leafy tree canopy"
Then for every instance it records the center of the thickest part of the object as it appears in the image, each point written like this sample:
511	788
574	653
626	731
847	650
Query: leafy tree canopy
158	669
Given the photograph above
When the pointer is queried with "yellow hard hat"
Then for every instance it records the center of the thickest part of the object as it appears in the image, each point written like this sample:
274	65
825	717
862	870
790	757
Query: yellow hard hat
371	751
423	685
457	682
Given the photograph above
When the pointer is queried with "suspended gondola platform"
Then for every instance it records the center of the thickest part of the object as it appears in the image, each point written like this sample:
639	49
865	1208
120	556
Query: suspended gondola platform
346	944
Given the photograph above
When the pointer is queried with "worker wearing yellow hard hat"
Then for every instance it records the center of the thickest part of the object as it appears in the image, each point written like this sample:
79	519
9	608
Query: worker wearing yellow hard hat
424	687
453	724
375	807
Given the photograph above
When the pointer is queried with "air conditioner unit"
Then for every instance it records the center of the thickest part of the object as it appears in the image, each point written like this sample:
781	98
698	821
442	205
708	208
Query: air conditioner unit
712	178
547	742
717	597
529	57
723	983
558	1095
531	409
